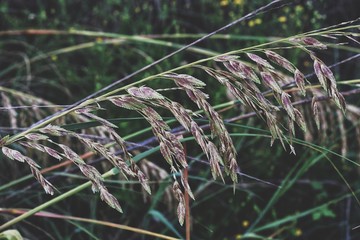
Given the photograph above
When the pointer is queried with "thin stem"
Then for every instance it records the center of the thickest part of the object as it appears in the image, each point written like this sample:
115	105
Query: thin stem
94	221
45	205
187	200
262	9
89	100
73	191
137	158
48	121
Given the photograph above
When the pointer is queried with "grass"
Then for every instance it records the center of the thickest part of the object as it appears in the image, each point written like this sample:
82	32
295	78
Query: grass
257	181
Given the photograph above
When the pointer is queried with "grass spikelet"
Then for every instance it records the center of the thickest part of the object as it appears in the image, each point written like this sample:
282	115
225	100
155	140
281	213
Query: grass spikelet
286	102
109	198
320	75
170	146
181	202
16	155
127	102
300	81
299	119
241	70
87	112
121	142
52	153
226	58
339	100
143	180
53	130
71	155
269	80
36	136
328	73
13	154
315	111
280	60
42	148
47	186
186	81
186	186
33	145
166	152
215	160
276	132
144	93
259	60
312	42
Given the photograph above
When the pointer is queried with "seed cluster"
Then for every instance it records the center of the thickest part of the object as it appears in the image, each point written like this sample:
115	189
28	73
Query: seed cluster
240	78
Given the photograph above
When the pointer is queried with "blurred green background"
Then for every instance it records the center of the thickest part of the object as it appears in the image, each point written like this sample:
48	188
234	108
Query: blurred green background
63	68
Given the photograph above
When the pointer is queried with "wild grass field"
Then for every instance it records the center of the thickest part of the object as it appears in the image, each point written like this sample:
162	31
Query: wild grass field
229	119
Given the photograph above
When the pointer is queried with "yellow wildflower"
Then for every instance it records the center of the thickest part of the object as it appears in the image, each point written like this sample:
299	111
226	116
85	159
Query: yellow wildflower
238	236
224	3
251	23
258	21
282	19
238	2
54	57
245	223
299	8
298	232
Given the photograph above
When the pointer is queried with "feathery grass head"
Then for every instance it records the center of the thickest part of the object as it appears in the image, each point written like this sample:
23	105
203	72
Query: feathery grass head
244	76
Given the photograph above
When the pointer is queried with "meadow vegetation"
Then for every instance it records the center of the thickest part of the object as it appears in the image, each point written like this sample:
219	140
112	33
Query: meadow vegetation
114	127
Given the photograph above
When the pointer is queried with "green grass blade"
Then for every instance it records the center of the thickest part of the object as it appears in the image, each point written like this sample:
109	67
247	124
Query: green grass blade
160	217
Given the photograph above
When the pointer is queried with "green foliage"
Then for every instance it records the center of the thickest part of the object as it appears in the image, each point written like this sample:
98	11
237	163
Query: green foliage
279	195
11	235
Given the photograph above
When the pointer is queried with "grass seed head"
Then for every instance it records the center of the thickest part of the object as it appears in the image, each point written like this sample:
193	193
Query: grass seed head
315	111
128	102
181	205
259	60
53	130
225	58
280	60
286	102
71	155
36	136
144	93
299	119
300	81
186	81
270	81
312	42
320	75
143	180
13	154
109	199
47	186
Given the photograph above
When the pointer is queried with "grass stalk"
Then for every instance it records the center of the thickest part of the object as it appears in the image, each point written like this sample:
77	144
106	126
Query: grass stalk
187	201
105	95
87	220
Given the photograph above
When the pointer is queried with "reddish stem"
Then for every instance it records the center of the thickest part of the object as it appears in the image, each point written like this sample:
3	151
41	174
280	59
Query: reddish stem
187	202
